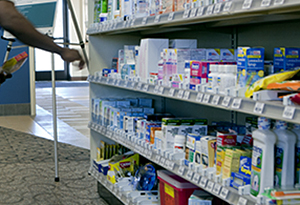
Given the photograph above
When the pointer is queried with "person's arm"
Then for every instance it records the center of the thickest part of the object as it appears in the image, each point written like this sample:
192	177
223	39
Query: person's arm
15	23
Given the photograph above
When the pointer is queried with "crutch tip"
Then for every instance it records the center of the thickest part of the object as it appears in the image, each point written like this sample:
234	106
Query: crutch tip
56	179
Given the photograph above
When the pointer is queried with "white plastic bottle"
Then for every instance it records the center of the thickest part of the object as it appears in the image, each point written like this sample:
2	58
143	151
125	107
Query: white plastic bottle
213	77
296	131
262	175
228	77
284	156
179	143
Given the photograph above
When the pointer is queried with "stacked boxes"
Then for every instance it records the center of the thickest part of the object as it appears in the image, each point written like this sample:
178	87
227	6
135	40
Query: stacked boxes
286	58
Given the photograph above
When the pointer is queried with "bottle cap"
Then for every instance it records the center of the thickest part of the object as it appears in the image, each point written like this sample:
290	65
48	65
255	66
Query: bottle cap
282	125
263	123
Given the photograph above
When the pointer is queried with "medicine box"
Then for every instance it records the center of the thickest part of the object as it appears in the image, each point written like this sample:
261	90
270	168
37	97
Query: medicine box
149	56
250	65
227	55
183	43
208	146
168	126
174	189
213	54
286	58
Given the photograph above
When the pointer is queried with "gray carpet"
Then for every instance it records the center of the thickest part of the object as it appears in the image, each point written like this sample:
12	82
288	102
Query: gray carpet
27	172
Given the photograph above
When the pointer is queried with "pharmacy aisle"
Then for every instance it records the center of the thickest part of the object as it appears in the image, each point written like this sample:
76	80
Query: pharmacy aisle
189	106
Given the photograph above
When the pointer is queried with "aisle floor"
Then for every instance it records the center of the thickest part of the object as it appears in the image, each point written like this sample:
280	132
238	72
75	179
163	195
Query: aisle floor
72	115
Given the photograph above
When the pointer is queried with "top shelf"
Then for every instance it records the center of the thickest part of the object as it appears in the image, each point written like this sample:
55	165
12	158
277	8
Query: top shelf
236	12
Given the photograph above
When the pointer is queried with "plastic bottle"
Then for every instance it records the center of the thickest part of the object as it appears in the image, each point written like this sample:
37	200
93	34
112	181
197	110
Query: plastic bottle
284	156
103	17
296	131
221	71
160	66
213	77
262	175
228	77
179	143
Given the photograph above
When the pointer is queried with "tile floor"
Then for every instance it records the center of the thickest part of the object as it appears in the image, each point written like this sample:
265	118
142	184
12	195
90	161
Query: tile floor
72	113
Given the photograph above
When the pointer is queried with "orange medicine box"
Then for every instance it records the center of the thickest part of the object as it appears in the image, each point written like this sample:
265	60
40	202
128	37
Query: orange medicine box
174	189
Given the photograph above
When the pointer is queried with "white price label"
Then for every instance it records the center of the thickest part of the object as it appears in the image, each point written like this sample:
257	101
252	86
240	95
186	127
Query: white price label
149	154
118	82
161	90
124	24
181	170
215	100
196	178
288	112
227	6
278	2
180	94
200	11
186	13
156	89
162	161
259	107
107	80
157	18
247	4
115	25
199	97
132	22
186	95
144	21
224	193
242	201
203	182
171	92
139	86
217	8
210	9
210	186
171	16
206	98
114	82
190	175
217	189
226	101
146	87
171	165
193	12
236	104
132	84
157	158
265	3
167	163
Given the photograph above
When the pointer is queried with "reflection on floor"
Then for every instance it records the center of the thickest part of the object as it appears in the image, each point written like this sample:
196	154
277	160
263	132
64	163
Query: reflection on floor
72	114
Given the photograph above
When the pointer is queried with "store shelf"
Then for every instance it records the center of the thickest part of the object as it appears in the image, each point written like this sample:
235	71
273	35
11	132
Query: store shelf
234	12
201	178
273	110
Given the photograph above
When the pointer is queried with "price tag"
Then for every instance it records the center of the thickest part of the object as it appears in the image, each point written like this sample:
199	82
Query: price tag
115	25
217	189
144	21
288	112
186	95
278	2
117	82
186	13
190	175
181	170
203	182
107	80
210	9
200	11
226	101
242	201
139	86
167	163
227	6
199	97
210	186
156	89
162	161
236	104
224	193
157	158
215	100
157	18
217	8
206	98
171	92
247	4
171	16
180	94
124	24
132	84
161	90
259	107
193	12
196	178
265	3
132	22
171	165
146	87
114	82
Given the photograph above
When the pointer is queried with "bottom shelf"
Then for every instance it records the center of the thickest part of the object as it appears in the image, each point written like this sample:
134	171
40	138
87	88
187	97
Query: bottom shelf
126	197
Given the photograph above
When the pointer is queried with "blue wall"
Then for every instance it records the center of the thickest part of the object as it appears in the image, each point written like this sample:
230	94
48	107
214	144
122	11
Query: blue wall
17	89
